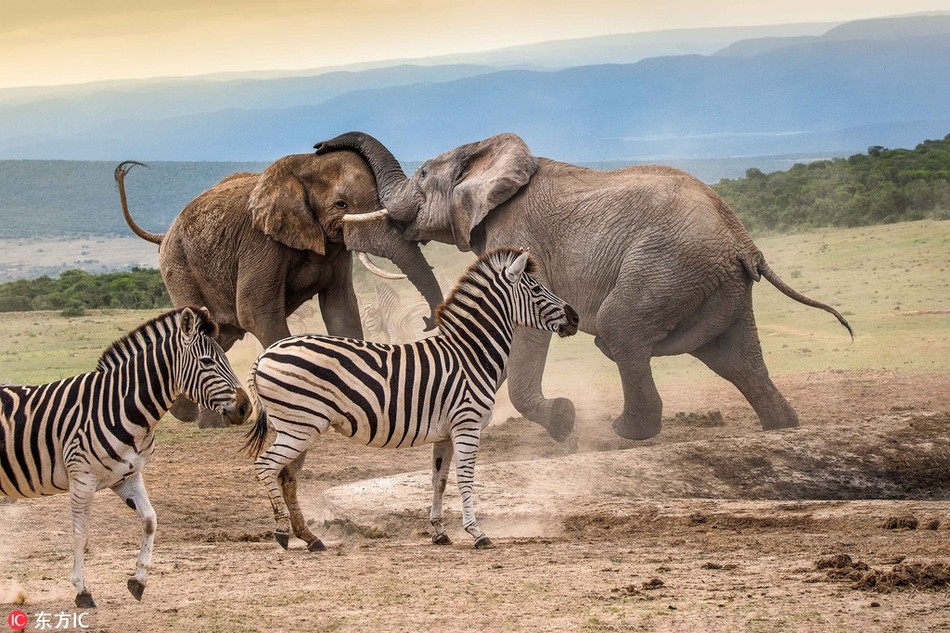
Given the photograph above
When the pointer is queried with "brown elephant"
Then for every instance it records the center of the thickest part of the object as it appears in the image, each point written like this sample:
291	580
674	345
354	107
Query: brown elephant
254	247
652	259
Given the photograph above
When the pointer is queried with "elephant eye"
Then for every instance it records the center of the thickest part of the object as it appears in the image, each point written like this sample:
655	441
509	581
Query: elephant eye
340	204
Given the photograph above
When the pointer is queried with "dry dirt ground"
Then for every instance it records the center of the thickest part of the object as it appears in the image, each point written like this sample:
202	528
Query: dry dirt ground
841	525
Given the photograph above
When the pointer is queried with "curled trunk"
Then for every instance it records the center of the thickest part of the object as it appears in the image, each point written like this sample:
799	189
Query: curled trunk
388	171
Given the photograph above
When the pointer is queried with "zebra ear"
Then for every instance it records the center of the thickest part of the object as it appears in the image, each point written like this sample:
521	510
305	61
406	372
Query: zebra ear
188	322
513	273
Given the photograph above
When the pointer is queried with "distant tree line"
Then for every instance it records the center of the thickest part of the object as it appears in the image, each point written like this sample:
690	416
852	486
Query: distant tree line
76	291
882	186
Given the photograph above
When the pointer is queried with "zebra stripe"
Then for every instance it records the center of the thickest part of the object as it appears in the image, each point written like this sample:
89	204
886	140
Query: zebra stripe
96	430
439	390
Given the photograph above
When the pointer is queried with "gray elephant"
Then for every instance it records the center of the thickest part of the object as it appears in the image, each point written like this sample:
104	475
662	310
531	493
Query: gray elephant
254	247
654	261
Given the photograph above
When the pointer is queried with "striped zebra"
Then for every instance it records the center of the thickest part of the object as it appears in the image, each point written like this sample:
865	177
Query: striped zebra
96	430
439	390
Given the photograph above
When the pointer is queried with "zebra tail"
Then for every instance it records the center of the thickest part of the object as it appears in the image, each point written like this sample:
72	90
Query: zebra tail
257	433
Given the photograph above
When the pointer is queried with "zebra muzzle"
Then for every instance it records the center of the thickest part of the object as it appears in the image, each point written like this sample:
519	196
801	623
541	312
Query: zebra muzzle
571	321
241	410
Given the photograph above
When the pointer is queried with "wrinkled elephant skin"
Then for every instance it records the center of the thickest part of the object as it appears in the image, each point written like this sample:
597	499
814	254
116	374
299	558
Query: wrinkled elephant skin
652	259
255	247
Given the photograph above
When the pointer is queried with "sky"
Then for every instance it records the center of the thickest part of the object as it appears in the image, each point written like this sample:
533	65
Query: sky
52	42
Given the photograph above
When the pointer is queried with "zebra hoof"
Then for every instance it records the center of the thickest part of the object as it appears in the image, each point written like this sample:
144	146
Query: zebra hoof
136	588
316	546
483	542
441	539
84	600
282	538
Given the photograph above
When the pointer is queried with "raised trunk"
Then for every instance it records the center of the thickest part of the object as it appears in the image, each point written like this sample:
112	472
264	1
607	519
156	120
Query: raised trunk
388	172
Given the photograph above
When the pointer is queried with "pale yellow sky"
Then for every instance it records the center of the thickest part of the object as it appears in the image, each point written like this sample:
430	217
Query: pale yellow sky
48	42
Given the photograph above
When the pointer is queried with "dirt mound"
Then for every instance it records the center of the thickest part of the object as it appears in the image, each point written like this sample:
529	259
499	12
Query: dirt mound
903	575
903	456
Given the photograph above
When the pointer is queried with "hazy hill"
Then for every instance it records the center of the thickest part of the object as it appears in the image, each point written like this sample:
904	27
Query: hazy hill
821	97
800	90
895	28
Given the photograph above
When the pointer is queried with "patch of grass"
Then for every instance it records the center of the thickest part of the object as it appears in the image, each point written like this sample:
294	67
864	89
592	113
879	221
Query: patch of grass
891	282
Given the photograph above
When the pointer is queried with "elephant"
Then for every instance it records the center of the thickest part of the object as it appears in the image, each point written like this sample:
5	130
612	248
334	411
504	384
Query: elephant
652	259
254	247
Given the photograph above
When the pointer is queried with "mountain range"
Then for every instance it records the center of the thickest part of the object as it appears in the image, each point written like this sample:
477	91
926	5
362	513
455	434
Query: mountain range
792	89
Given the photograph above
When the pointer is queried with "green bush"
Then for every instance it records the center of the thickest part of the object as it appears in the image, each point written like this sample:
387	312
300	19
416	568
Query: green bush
76	291
880	187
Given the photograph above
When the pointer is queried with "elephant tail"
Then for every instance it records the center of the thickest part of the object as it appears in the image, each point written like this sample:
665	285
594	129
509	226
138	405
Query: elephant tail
120	171
760	268
258	433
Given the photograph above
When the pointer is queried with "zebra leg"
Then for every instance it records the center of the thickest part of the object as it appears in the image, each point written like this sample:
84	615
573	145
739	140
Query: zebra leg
465	439
441	461
269	466
81	494
288	487
132	491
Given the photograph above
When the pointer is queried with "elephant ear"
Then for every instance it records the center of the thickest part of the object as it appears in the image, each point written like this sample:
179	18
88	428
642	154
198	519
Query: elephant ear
492	171
279	208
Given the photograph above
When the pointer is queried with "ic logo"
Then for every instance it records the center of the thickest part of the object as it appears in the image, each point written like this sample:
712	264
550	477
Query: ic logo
17	620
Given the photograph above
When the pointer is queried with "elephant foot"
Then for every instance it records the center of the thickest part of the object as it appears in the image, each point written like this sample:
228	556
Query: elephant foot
633	427
136	588
555	415
208	419
184	410
780	422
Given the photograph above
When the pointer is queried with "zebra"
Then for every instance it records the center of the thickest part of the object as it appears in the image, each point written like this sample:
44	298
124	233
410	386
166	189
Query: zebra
96	430
439	390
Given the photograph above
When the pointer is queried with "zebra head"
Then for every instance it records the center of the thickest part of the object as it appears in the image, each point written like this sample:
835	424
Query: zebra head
534	304
204	374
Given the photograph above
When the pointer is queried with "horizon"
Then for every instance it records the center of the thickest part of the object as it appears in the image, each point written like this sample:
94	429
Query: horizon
55	43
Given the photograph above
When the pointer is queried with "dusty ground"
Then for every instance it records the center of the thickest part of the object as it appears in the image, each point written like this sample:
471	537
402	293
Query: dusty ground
713	525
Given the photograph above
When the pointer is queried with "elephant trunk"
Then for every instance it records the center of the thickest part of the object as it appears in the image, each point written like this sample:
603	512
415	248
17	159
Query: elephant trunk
381	237
419	272
387	170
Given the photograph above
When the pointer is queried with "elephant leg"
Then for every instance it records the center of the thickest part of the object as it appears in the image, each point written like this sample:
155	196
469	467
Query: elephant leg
736	355
184	409
642	406
341	310
529	351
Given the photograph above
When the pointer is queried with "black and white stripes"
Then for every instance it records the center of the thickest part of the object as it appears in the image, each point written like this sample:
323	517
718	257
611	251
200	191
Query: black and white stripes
439	390
96	430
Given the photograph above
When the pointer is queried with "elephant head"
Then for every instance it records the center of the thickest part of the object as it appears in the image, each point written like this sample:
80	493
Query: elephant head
302	201
449	195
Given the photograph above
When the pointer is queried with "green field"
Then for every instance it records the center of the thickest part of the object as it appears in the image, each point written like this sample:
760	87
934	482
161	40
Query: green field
892	283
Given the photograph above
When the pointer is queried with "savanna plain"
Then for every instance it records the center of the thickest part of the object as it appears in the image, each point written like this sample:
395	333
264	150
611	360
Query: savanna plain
842	524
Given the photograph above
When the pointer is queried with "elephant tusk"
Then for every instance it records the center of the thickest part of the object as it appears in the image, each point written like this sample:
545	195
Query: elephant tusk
373	268
366	217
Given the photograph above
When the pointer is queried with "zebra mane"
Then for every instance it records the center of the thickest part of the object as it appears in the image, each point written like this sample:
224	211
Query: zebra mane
118	352
487	264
